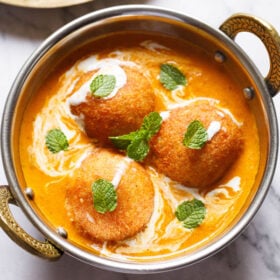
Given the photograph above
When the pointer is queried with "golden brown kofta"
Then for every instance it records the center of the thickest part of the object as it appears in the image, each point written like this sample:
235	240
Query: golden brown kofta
135	197
120	114
190	167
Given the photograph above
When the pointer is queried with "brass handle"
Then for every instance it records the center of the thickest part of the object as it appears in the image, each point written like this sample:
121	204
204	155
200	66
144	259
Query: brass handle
17	234
267	34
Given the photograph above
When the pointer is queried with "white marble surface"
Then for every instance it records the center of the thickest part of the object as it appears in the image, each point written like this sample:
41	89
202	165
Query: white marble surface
255	255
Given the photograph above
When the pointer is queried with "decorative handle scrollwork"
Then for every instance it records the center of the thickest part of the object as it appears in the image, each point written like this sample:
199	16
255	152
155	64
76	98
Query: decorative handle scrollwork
267	34
17	234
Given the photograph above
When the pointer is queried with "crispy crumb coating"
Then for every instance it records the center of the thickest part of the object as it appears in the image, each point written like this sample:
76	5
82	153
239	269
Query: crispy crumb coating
195	168
120	114
135	198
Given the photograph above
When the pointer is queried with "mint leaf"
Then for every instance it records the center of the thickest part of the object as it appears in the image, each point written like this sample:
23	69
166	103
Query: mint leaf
121	142
191	213
56	141
196	135
138	149
151	124
171	77
136	143
102	85
104	196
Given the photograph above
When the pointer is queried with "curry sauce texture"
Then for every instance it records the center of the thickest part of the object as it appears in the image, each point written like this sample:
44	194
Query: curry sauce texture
142	224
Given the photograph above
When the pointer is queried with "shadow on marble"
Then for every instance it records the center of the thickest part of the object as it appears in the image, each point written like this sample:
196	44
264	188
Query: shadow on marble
227	264
37	24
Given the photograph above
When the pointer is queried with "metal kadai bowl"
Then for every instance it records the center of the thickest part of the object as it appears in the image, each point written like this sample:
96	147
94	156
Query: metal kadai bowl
258	90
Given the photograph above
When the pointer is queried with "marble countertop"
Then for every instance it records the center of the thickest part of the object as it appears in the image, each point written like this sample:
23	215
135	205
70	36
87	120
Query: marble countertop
255	255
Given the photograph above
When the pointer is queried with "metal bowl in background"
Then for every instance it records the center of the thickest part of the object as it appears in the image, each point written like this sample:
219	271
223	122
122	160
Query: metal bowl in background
41	4
257	89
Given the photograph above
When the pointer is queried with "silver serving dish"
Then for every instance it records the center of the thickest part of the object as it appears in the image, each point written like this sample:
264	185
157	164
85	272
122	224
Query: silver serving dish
257	89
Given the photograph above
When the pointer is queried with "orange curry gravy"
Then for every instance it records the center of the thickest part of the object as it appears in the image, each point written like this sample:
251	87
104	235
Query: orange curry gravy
49	174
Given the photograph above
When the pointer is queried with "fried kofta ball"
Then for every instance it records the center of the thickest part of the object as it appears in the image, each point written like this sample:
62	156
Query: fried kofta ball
197	168
122	113
135	197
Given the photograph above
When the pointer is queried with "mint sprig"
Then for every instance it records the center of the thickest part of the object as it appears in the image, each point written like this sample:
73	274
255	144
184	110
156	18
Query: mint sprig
138	149
56	141
104	196
122	142
102	85
151	124
191	213
171	77
196	135
136	143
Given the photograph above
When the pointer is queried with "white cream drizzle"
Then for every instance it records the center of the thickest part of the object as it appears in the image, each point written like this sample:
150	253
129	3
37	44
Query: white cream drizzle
107	66
220	111
184	103
55	114
164	115
233	184
62	163
228	112
92	62
80	120
215	126
153	46
89	218
120	171
194	192
213	129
